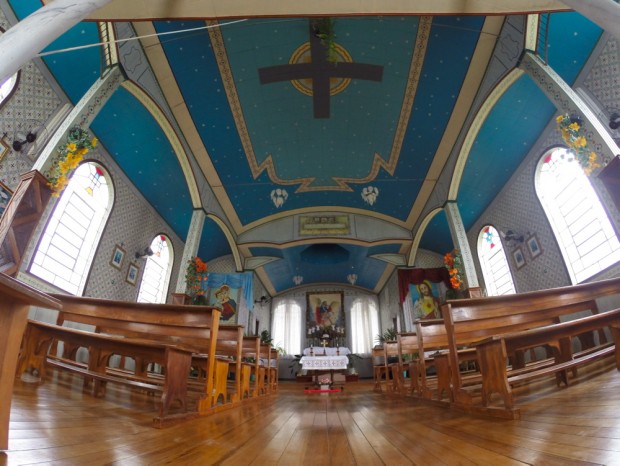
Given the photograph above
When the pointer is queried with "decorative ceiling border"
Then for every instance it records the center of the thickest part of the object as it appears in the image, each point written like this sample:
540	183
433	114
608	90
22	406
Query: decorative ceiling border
342	183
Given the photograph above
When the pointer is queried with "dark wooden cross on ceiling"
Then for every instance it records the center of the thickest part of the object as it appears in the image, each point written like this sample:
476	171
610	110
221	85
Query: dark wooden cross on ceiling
320	70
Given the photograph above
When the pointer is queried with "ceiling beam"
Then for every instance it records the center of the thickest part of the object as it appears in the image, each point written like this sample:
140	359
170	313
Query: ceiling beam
122	10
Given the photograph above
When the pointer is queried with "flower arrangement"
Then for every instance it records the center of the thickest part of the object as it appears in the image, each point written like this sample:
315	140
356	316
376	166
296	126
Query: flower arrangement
194	276
69	155
325	381
454	263
573	135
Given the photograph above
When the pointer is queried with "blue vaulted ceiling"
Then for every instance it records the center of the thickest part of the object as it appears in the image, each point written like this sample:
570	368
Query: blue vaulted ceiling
261	137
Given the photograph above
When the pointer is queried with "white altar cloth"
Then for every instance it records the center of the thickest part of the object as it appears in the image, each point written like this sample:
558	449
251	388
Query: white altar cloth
318	350
315	363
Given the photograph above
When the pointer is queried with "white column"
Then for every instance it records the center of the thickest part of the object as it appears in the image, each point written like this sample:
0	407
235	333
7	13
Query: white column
26	39
192	242
605	13
459	238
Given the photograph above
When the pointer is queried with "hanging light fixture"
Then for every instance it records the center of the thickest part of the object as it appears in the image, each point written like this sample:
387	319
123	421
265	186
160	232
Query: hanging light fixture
298	279
352	278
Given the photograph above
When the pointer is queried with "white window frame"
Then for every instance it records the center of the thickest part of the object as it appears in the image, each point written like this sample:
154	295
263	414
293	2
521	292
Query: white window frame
494	264
364	324
286	326
157	271
582	228
67	246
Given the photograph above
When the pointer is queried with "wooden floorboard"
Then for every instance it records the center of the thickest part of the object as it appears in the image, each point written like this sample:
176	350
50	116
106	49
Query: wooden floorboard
59	424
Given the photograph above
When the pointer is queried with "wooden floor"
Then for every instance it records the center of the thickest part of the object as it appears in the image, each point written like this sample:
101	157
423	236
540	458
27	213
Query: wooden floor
57	424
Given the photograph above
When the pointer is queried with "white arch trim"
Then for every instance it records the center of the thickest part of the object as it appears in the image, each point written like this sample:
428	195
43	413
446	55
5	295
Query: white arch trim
475	128
418	235
231	240
172	136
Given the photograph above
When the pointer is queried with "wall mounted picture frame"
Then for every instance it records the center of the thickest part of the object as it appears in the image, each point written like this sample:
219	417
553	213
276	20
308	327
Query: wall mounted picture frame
117	257
518	257
4	148
533	246
325	309
5	197
132	274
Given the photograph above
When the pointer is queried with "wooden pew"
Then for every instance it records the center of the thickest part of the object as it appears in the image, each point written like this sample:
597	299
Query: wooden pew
250	351
192	326
16	298
274	363
378	367
228	352
469	321
408	360
262	376
492	353
175	360
393	369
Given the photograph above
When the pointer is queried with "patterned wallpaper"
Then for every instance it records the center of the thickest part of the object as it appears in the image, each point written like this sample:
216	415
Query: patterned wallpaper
30	106
518	208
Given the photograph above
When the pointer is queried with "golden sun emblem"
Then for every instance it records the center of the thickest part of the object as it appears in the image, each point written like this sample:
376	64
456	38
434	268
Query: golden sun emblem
302	55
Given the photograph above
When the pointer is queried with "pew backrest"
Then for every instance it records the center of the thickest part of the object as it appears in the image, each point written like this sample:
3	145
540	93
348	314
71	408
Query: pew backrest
470	320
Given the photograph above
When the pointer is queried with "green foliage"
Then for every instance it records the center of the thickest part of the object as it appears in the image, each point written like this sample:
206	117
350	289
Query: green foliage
324	30
265	337
388	335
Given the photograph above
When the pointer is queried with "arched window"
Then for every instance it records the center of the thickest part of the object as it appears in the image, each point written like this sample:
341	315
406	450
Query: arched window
582	229
364	325
286	328
157	270
67	246
494	264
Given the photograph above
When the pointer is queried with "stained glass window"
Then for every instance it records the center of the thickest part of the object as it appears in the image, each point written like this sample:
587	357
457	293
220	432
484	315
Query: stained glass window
493	262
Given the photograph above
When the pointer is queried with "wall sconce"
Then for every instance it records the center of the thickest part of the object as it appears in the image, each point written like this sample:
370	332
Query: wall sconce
27	139
352	278
298	279
262	301
146	253
512	237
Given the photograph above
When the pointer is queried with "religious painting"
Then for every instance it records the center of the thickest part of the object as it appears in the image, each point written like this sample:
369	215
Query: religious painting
5	197
426	301
225	298
325	309
132	274
533	246
319	225
117	257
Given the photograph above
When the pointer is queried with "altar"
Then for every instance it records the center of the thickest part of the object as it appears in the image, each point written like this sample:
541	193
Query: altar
324	362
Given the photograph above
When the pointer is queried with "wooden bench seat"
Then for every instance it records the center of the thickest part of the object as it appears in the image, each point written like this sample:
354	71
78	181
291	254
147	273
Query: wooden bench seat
492	353
175	360
470	321
193	327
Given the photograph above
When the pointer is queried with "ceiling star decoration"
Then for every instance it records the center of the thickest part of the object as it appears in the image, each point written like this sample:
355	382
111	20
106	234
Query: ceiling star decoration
320	70
279	197
370	194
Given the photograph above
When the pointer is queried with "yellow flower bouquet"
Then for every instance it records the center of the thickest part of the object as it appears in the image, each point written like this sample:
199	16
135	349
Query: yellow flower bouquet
68	157
572	134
